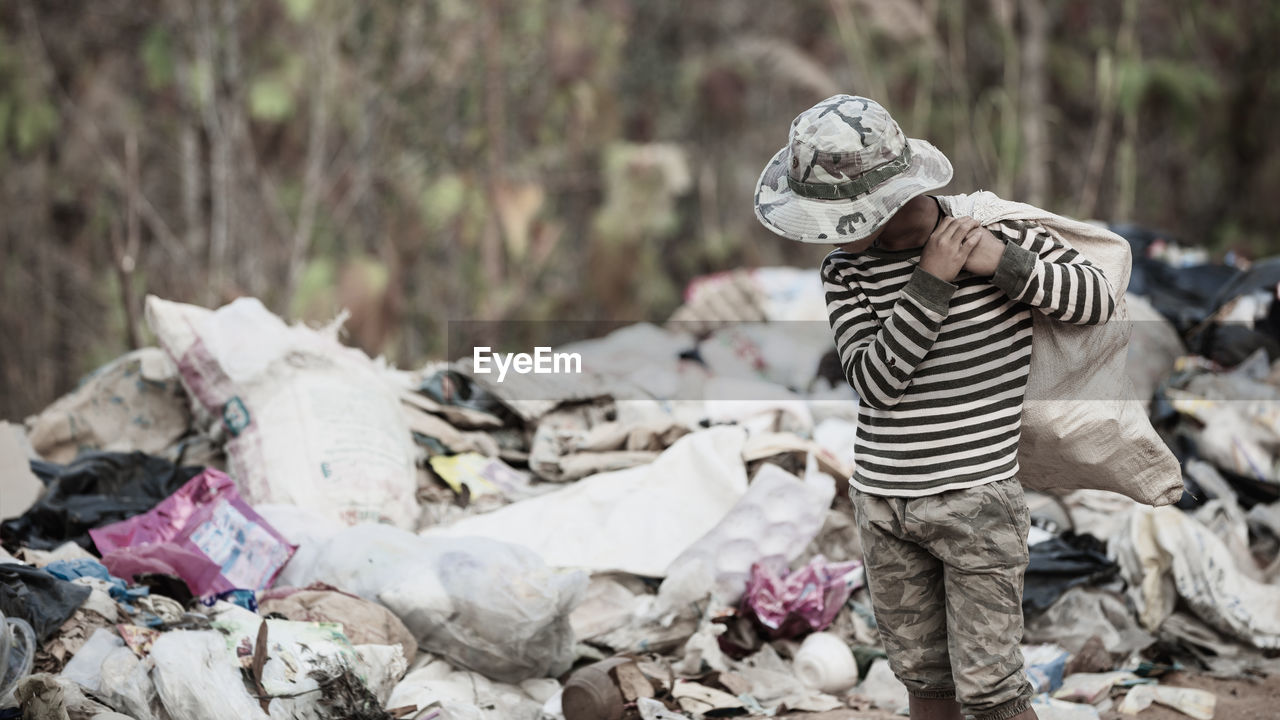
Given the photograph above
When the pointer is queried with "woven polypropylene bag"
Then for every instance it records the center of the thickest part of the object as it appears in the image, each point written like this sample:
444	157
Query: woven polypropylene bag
1083	426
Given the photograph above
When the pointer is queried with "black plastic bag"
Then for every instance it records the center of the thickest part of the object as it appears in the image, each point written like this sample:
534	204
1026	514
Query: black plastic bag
1230	344
96	489
1061	563
39	598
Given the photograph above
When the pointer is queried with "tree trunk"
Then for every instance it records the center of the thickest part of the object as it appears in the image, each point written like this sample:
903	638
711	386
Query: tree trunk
1035	132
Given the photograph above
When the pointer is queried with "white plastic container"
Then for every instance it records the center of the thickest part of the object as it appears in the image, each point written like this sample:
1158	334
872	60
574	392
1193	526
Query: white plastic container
826	663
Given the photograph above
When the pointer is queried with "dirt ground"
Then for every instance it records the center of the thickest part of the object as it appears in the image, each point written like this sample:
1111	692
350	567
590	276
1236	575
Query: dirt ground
1257	699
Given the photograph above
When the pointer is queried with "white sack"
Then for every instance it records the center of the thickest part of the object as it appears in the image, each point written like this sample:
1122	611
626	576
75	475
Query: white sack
308	421
1164	543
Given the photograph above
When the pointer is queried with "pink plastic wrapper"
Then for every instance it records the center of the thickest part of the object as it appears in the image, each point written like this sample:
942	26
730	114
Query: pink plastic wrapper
204	533
790	604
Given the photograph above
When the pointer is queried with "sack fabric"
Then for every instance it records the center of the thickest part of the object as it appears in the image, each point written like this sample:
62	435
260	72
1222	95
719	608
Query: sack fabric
1083	426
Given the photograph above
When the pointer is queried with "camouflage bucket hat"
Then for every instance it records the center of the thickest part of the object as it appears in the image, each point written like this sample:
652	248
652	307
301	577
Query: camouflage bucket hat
846	169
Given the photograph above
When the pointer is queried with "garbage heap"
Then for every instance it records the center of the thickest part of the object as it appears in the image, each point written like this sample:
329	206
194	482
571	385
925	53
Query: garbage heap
252	520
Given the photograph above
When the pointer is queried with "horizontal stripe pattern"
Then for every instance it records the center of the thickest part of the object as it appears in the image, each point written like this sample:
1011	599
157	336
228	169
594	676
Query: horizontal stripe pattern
941	368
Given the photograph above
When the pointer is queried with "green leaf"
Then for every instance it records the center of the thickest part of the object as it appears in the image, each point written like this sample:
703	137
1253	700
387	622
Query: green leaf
299	10
270	100
1131	83
1186	85
35	123
6	115
157	58
443	200
314	297
200	82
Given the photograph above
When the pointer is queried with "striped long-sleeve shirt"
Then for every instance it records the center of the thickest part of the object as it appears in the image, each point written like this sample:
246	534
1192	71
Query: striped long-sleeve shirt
941	368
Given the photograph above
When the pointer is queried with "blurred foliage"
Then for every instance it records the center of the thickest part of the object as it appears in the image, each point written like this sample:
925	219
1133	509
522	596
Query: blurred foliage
422	161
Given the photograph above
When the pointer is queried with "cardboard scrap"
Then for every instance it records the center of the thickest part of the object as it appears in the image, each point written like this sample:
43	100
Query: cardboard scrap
1198	704
700	699
632	682
19	487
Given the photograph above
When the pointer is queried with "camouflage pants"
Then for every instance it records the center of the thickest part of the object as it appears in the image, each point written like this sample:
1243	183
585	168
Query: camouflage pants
945	574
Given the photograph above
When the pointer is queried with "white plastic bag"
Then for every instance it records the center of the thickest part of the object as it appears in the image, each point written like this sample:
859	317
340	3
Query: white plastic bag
778	516
883	688
463	695
312	672
198	679
299	525
85	667
308	421
127	685
486	605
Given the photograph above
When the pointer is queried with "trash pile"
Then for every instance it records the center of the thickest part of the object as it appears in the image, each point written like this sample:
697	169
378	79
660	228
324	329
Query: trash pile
254	520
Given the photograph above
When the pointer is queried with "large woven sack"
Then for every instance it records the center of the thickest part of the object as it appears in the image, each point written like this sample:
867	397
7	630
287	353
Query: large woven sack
1083	426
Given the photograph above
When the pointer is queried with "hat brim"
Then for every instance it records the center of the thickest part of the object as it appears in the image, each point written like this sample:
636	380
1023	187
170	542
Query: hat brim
834	222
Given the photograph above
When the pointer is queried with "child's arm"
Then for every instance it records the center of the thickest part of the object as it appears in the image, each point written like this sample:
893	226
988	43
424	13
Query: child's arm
879	361
1039	270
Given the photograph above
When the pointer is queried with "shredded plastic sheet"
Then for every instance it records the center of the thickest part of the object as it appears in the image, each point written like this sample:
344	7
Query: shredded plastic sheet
204	533
636	520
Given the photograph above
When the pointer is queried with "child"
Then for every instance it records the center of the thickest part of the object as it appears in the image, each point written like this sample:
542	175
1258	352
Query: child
932	321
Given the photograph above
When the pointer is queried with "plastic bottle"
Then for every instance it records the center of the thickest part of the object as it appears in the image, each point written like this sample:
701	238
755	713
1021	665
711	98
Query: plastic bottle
17	653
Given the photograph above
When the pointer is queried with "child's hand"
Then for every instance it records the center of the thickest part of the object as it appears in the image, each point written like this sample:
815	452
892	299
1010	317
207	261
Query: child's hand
948	247
987	249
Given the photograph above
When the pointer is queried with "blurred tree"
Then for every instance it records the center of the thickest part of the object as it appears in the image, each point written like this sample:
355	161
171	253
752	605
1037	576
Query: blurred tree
422	161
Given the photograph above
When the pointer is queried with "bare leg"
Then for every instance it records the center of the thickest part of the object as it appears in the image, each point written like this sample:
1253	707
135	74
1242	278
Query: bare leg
936	709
